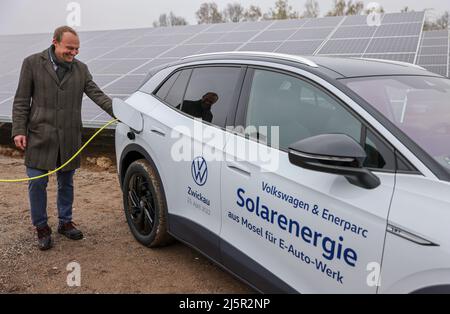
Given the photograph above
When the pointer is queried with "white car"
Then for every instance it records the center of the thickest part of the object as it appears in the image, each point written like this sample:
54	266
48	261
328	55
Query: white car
318	175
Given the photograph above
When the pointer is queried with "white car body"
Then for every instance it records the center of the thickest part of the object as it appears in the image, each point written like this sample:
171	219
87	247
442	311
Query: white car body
394	238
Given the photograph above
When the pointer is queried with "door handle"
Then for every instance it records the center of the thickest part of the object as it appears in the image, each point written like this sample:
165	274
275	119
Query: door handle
240	169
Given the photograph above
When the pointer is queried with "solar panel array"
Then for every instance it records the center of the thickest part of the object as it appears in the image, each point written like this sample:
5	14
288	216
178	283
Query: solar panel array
434	52
120	59
397	38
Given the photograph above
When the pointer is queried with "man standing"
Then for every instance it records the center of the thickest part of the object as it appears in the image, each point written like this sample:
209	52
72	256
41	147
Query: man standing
47	125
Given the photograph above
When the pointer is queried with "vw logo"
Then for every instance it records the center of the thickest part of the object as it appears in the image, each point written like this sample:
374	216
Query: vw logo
199	171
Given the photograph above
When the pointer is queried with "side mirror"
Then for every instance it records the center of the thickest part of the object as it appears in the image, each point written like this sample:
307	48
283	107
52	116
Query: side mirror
128	115
334	153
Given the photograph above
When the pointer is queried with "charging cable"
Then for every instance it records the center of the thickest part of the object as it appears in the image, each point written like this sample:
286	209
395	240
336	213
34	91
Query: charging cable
68	162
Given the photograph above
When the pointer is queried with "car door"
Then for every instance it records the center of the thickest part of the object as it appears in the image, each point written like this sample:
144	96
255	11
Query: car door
285	228
188	133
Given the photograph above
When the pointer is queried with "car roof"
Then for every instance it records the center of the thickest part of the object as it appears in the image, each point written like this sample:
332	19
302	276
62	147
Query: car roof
361	67
334	67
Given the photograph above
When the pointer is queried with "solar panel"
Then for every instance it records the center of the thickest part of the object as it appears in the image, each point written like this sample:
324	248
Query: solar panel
438	59
324	22
188	29
97	66
124	52
131	32
388	30
360	20
5	107
149	52
120	59
124	85
396	34
102	80
435	34
87	36
123	66
206	38
262	46
220	47
304	47
434	52
8	83
288	24
90	110
224	27
345	55
345	46
16	51
362	31
275	35
312	33
439	69
114	42
400	44
104	116
154	63
409	17
403	57
252	26
182	51
441	41
3	97
88	53
237	37
7	66
151	40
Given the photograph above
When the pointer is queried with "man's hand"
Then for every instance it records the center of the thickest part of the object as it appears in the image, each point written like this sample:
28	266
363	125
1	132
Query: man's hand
20	141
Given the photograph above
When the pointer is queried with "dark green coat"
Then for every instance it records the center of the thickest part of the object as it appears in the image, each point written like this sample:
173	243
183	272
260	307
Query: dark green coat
48	112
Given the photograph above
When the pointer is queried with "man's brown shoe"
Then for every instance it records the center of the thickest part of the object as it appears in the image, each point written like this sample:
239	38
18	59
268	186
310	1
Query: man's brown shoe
44	238
68	229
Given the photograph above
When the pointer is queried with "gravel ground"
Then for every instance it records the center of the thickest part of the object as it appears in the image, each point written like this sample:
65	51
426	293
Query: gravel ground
111	260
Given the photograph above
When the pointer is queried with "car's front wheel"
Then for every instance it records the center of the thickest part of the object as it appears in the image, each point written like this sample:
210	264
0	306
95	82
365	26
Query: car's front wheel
145	204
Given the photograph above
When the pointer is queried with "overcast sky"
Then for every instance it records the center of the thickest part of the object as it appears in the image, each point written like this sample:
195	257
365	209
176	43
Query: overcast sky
42	16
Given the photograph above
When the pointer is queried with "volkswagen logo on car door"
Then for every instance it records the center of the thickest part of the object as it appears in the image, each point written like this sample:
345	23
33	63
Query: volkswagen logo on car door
199	170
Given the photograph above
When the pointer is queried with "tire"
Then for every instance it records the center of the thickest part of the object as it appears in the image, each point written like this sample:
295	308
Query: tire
145	204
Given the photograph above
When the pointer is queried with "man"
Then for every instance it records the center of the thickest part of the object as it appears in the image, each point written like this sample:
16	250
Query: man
201	108
47	126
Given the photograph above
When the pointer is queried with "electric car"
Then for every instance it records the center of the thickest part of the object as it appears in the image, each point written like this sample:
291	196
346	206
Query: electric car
297	175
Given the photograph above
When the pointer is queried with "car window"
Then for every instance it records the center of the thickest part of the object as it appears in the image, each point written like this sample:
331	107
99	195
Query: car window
176	92
164	89
210	93
298	108
379	155
417	105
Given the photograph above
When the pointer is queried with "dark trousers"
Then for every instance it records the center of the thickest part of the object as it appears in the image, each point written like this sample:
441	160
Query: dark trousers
37	190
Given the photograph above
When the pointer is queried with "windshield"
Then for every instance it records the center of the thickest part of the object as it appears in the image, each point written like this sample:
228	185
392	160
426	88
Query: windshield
418	105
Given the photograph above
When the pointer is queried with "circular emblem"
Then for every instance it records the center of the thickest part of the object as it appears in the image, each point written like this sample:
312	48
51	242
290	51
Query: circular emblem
199	170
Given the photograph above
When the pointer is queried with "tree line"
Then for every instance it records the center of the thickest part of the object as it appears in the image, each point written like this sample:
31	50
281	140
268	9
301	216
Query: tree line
209	13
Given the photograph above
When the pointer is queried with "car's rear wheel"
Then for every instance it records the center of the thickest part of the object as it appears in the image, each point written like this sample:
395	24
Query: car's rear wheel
145	204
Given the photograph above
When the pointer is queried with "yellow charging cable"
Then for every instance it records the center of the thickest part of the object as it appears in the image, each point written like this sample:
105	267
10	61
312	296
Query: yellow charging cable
68	162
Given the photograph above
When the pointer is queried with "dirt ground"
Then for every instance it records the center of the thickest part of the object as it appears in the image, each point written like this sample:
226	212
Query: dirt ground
111	260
